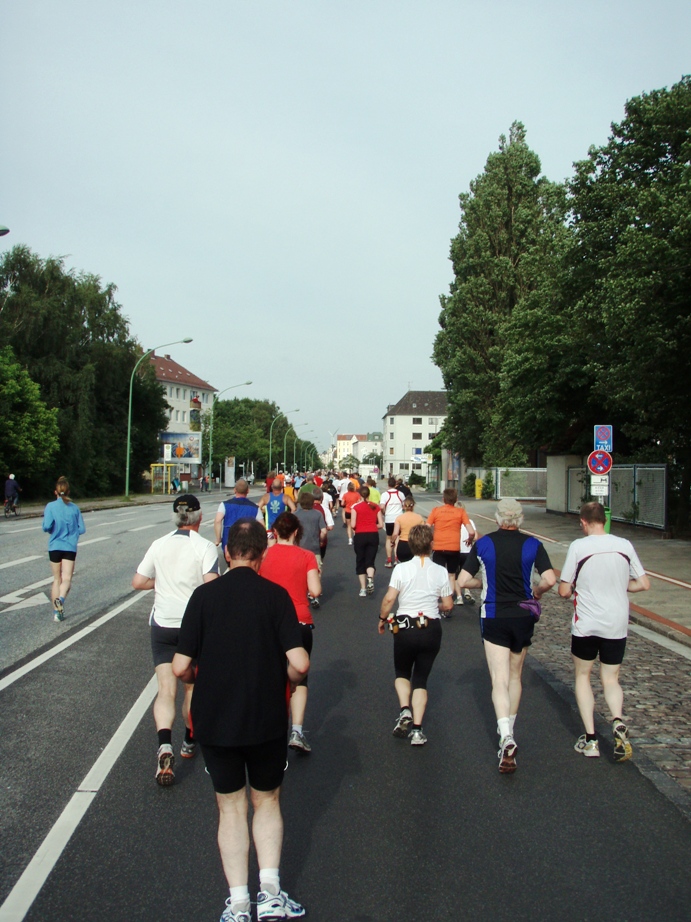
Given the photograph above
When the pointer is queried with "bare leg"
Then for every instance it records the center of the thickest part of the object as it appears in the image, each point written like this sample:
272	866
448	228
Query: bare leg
233	837
402	687
389	547
298	703
419	705
516	661
55	590
498	659
363	581
584	692
186	702
614	696
66	573
164	705
267	827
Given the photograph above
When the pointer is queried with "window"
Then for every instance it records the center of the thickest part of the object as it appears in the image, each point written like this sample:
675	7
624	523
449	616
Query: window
417	436
391	451
417	467
184	393
432	435
184	416
433	421
390	435
404	466
391	420
205	398
193	394
170	391
417	420
177	392
417	451
177	416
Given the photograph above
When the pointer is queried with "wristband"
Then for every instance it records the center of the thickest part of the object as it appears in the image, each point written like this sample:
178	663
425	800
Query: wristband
383	619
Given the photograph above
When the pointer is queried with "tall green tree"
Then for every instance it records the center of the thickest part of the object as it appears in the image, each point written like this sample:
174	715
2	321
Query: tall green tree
68	332
510	235
30	428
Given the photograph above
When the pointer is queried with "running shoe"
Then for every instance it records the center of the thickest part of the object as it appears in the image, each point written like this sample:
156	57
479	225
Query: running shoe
402	728
622	746
459	600
241	915
468	596
187	750
417	738
388	563
59	610
164	773
589	748
350	541
298	742
370	585
507	755
363	593
313	602
272	908
58	616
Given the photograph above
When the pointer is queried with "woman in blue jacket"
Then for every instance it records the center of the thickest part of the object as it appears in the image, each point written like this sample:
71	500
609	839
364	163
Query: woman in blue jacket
64	523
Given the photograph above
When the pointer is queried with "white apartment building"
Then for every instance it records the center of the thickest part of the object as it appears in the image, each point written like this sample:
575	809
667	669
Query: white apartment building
184	391
409	426
358	445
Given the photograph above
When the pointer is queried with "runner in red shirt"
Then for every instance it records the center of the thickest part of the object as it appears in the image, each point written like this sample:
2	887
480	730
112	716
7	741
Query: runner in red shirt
366	519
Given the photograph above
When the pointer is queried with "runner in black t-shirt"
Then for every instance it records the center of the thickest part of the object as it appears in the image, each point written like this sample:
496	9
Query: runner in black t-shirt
506	560
244	634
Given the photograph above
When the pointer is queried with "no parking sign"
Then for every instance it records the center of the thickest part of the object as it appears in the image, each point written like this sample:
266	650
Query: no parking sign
599	462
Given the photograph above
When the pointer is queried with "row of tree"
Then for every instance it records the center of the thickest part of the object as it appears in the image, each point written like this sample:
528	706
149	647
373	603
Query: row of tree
66	361
571	303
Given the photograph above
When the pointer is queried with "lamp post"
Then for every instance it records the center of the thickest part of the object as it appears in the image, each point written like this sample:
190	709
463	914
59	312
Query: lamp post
271	429
4	230
211	428
333	446
285	439
129	410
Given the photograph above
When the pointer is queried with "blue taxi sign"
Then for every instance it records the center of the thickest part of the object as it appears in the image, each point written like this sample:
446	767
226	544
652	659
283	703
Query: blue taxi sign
603	438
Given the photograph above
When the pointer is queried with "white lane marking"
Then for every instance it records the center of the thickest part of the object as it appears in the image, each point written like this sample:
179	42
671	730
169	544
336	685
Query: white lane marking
40	599
143	527
662	640
121	515
16	596
27	888
58	648
102	524
15	563
93	540
669	579
20	531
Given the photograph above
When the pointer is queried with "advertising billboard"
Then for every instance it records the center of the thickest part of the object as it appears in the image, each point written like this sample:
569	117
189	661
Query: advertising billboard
185	447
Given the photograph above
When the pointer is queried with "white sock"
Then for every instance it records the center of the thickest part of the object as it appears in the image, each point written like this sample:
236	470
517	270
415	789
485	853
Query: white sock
269	881
512	723
239	898
503	727
297	728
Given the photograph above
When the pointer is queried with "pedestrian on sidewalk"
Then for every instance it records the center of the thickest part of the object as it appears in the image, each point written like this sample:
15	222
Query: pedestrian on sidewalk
599	571
509	561
173	567
418	584
64	523
244	634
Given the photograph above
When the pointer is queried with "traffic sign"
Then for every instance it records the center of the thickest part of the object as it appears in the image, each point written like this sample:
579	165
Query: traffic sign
599	462
599	489
603	438
599	479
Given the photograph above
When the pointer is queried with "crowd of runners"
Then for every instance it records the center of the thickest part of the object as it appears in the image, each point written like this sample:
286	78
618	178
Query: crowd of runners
241	645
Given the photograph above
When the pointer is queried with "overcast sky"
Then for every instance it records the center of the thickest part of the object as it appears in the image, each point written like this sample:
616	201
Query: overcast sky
279	179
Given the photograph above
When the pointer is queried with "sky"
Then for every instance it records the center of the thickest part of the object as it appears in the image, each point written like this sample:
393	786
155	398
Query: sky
280	180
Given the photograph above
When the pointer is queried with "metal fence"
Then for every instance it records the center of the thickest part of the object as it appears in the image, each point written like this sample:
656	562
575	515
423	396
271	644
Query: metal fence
516	482
638	493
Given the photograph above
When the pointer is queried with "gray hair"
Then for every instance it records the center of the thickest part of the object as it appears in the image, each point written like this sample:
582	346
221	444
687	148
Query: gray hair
509	514
188	517
318	494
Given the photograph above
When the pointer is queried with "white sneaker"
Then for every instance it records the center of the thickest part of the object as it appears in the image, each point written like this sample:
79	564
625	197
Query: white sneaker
271	908
507	755
363	593
589	748
350	541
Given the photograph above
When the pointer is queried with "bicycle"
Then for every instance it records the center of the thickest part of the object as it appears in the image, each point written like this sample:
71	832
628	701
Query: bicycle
11	507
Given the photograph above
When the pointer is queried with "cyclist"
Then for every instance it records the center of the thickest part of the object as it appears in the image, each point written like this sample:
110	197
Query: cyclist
11	493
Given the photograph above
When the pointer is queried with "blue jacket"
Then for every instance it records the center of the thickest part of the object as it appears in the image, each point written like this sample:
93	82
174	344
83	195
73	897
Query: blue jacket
64	523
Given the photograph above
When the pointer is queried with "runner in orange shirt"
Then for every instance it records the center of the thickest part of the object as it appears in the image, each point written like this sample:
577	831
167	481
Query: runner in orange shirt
446	521
349	498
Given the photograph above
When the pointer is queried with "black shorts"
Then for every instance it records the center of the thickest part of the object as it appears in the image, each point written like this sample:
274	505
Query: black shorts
231	767
366	545
611	652
403	552
451	560
57	556
347	515
164	643
514	633
389	528
306	634
414	652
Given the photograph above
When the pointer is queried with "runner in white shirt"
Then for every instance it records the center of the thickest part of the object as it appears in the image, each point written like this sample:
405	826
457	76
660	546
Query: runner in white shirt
392	506
599	571
173	567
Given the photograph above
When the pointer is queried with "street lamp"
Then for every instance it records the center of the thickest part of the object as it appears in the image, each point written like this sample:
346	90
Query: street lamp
4	230
285	439
211	428
333	446
129	411
271	429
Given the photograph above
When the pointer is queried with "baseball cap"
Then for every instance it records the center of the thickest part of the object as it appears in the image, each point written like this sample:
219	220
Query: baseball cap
186	502
509	507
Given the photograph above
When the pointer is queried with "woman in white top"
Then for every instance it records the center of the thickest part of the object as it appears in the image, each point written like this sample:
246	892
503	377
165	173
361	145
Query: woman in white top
418	584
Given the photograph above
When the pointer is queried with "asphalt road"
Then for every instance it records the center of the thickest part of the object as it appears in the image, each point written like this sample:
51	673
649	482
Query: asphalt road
375	829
